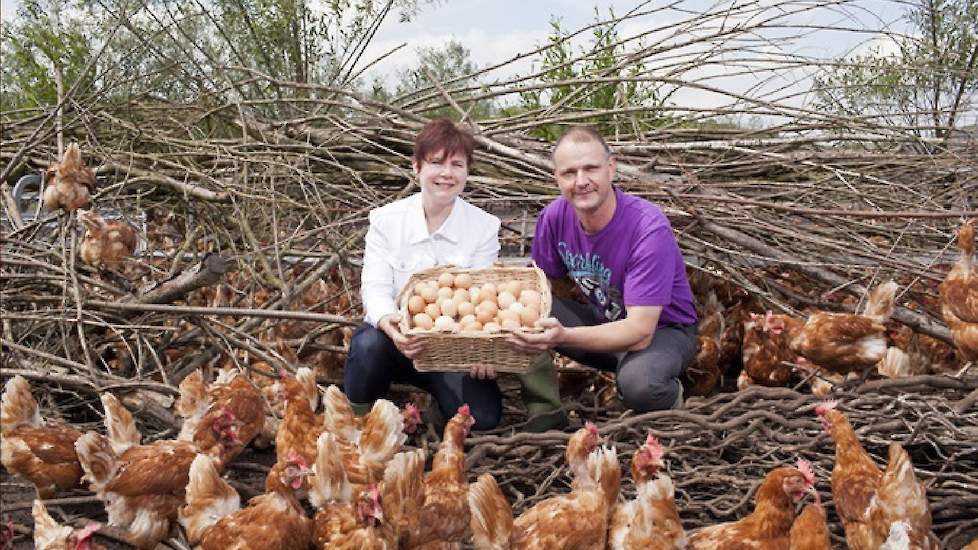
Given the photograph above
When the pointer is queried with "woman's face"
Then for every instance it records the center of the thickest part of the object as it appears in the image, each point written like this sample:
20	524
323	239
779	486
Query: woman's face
442	177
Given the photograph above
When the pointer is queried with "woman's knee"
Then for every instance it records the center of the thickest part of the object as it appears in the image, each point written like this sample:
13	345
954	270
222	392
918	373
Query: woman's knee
366	374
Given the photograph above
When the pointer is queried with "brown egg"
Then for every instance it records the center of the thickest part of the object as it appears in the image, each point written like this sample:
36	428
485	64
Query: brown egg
419	287
466	320
474	326
445	292
510	324
415	305
465	308
460	295
463	280
491	288
445	323
491	328
530	298
505	299
529	316
513	287
487	294
488	306
423	321
516	306
448	307
433	311
429	293
483	315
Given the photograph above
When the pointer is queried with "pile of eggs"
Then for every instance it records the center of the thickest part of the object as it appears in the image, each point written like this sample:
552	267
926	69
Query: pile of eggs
453	303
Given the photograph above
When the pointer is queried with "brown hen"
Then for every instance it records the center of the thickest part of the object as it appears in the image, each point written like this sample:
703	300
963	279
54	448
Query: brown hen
69	184
959	296
42	452
106	244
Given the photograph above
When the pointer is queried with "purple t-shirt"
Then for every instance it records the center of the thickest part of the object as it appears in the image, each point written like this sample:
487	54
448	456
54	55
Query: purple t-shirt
633	261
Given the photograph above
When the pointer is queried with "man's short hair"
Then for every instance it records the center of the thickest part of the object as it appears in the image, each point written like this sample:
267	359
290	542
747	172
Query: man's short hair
582	134
442	135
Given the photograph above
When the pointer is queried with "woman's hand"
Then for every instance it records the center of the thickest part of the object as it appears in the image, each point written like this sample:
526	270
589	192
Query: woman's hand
535	342
407	344
482	372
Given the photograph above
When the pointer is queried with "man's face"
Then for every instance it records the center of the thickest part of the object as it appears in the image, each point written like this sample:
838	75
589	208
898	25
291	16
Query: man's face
442	177
584	172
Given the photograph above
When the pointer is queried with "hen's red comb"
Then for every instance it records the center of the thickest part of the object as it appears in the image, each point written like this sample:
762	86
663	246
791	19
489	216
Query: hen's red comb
296	458
825	406
464	410
654	447
805	467
591	427
87	532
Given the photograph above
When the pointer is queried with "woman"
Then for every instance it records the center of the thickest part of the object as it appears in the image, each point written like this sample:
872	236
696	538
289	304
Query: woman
433	227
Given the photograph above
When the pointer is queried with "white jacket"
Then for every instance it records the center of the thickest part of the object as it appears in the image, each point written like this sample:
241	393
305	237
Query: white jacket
398	244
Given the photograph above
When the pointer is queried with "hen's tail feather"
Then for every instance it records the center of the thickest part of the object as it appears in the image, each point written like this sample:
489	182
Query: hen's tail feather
901	497
46	530
895	364
97	459
209	498
383	432
880	304
492	516
403	490
339	418
119	424
330	483
17	406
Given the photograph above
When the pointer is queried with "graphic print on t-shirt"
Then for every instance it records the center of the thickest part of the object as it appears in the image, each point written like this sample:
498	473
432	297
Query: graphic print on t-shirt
594	280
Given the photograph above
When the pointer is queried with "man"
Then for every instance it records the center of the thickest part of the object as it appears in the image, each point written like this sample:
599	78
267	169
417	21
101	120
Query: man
640	321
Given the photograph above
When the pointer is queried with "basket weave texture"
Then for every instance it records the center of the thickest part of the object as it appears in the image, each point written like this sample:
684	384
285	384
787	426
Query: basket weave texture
459	352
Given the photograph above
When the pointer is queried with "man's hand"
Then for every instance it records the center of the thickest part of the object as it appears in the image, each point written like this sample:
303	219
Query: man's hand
407	344
552	336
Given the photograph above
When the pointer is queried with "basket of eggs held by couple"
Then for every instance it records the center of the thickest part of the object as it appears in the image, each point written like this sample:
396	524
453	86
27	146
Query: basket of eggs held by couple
465	315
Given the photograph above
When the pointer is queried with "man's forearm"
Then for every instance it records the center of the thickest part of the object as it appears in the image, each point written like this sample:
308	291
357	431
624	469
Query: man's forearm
609	337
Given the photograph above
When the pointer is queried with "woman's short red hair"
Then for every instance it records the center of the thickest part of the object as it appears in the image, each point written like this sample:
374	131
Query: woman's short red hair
442	135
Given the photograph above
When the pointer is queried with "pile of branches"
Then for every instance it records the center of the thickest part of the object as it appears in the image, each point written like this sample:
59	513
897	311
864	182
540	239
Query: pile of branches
718	450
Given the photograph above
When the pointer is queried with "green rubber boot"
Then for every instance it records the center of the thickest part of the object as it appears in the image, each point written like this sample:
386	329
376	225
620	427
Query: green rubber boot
541	395
361	409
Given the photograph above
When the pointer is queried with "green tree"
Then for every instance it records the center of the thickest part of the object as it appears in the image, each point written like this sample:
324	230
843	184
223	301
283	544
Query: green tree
452	67
561	74
926	85
45	37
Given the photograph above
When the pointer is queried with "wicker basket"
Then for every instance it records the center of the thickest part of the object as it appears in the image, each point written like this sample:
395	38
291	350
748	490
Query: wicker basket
446	351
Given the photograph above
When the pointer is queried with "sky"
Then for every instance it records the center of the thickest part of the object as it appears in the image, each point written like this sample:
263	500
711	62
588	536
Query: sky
498	30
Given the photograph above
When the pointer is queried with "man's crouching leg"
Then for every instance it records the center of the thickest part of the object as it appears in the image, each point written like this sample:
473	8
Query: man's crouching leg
648	380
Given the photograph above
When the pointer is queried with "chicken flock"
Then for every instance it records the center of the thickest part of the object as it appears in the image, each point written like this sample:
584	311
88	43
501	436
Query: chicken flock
368	490
342	481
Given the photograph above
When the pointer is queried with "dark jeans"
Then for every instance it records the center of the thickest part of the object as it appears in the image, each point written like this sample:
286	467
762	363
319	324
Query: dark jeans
374	363
648	380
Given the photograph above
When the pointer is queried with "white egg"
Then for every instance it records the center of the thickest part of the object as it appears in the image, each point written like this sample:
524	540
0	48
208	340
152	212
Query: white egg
505	299
444	323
